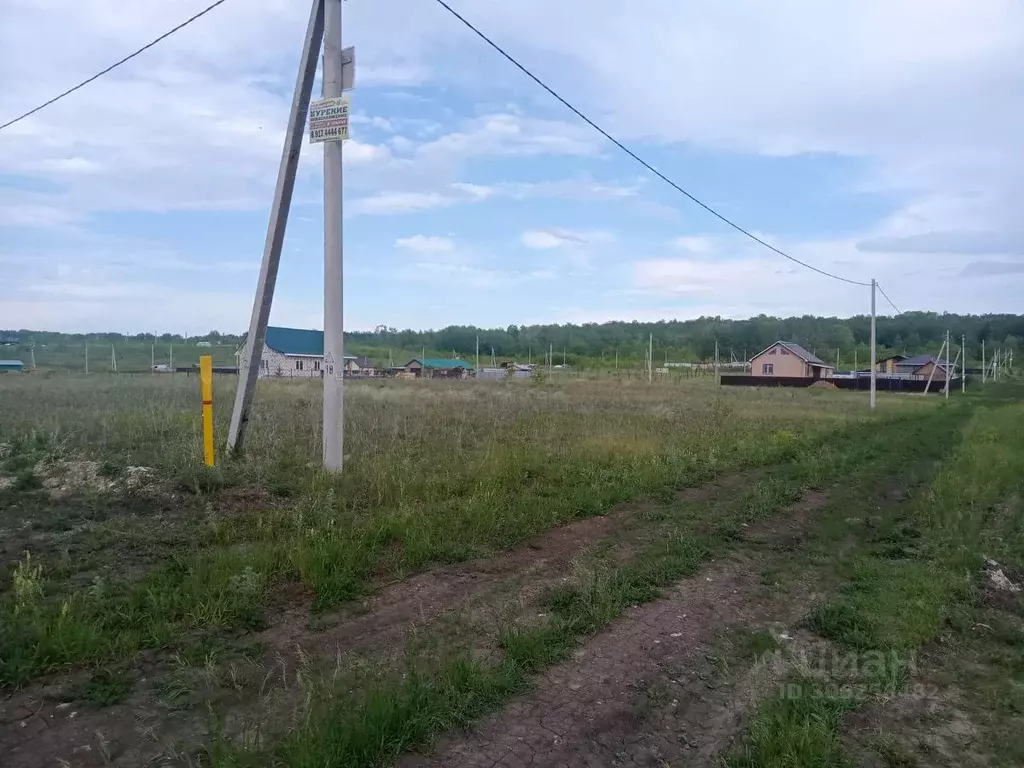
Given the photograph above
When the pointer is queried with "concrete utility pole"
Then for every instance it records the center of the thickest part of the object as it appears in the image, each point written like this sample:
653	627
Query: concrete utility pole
650	359
874	352
275	229
170	357
152	355
716	359
478	353
947	364
551	357
983	361
963	365
87	357
32	351
113	359
334	353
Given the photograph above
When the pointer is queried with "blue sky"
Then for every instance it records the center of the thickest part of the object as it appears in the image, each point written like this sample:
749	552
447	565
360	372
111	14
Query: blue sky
877	138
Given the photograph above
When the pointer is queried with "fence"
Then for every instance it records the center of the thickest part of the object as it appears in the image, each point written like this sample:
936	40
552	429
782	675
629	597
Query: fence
860	383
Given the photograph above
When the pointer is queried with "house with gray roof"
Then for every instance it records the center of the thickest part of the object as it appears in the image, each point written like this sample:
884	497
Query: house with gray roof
787	359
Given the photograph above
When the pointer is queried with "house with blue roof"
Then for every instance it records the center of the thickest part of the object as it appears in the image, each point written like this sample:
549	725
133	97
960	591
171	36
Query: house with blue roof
440	368
298	353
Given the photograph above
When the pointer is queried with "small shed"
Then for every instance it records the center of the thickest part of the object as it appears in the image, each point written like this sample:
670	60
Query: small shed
11	366
440	368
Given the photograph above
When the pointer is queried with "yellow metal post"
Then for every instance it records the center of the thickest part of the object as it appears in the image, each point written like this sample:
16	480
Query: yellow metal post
206	379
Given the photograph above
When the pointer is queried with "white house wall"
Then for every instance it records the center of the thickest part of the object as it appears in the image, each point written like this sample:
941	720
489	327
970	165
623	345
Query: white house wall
276	365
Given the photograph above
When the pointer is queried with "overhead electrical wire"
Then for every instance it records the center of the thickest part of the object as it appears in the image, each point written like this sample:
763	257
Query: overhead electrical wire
512	60
880	290
114	66
634	155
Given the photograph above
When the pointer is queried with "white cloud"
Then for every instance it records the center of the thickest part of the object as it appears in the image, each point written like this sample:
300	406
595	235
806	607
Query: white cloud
696	245
397	202
426	244
546	239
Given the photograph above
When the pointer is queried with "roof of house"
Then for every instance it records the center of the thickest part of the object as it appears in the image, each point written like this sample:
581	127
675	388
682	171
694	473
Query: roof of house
362	362
295	341
440	362
918	360
892	357
797	350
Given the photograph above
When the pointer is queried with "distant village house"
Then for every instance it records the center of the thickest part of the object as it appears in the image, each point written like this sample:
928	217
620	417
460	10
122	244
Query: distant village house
439	368
786	359
298	353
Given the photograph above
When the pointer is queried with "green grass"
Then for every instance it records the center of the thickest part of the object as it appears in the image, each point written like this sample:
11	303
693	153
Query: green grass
676	543
799	727
438	474
104	688
901	580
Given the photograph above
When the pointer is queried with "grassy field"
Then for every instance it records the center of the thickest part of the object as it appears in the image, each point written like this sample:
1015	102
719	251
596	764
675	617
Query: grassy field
133	579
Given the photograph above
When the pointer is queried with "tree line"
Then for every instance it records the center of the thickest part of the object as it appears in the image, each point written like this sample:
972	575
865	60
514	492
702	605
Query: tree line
674	340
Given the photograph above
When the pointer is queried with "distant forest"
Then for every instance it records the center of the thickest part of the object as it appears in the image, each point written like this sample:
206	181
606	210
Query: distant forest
676	340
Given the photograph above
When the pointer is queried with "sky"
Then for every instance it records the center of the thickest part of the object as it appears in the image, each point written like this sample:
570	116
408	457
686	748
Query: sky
871	138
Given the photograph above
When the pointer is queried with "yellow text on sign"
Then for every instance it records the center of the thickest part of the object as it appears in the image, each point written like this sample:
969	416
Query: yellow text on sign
206	381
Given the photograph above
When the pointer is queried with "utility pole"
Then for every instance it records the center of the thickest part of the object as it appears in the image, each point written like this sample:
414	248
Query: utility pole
32	351
87	357
563	357
478	352
264	297
947	364
551	355
983	361
650	359
170	357
855	359
152	355
837	358
874	352
334	318
935	367
716	359
963	365
113	359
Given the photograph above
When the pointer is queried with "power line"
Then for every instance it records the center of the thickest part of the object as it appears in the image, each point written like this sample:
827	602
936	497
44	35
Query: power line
114	66
633	154
880	290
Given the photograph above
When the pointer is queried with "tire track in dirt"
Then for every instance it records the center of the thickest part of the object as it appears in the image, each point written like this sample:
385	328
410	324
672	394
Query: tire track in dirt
487	584
594	710
39	727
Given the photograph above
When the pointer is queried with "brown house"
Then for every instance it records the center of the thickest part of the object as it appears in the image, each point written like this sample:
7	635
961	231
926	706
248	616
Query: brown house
786	359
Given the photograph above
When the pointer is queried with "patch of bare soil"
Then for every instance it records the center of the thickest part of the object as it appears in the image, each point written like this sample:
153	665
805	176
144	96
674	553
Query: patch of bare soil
382	623
597	709
924	726
74	476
